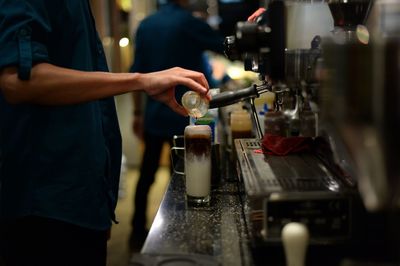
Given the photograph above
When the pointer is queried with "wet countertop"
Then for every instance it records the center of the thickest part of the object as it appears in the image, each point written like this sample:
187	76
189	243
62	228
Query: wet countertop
216	234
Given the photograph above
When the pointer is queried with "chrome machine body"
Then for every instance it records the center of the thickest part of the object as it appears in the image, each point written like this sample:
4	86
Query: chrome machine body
350	79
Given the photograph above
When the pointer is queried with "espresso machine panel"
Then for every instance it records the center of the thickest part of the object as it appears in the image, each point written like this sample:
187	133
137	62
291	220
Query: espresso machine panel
327	217
292	188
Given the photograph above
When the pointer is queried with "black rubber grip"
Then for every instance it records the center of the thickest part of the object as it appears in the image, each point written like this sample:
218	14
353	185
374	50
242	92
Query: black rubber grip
230	97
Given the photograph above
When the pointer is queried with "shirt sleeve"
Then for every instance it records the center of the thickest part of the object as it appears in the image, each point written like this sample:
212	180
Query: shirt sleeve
24	30
138	62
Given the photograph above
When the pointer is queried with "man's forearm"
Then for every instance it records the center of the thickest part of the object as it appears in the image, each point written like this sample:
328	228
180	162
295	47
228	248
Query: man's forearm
52	85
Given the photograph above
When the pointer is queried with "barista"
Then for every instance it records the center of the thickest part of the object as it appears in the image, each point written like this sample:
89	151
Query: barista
60	145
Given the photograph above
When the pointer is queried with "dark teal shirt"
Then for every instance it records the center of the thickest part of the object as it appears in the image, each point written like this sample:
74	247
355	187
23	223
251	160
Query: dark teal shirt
171	37
60	162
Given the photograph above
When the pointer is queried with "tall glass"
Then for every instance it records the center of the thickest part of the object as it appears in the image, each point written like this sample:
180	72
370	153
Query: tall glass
241	128
198	164
241	125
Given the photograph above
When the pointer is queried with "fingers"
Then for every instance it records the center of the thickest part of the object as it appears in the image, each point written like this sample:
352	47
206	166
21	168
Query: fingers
193	85
195	81
256	14
202	80
208	96
166	81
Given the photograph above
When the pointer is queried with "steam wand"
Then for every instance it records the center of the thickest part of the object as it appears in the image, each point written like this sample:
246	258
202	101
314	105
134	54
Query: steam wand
255	116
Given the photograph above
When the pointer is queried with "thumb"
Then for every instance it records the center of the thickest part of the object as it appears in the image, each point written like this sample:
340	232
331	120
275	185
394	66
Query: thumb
177	107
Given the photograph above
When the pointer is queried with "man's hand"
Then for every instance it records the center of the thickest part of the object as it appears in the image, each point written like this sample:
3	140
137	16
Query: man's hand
256	14
161	85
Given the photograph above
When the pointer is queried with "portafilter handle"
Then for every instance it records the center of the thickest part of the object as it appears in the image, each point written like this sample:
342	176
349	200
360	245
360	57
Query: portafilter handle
230	97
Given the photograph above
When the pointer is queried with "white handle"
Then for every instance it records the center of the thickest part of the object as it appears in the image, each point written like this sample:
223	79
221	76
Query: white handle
295	238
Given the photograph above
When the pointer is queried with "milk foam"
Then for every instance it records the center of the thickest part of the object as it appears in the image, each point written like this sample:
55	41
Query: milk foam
198	176
198	130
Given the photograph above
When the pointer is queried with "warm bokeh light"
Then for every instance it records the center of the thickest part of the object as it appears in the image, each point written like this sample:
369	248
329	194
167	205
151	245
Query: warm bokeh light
125	5
235	72
124	42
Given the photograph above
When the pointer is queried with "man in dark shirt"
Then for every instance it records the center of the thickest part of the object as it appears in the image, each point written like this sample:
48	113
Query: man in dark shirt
170	37
60	144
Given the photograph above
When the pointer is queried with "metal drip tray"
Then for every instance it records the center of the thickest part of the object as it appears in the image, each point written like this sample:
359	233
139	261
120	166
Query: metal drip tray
266	174
298	187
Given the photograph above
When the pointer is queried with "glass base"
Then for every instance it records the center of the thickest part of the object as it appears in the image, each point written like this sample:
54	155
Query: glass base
198	201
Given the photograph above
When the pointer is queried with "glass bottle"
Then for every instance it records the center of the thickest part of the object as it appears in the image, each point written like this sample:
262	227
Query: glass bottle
195	104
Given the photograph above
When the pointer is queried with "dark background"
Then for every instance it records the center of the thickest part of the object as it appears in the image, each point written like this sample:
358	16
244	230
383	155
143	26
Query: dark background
230	12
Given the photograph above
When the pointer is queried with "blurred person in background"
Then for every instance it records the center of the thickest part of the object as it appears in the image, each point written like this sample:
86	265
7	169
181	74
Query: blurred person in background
60	143
170	37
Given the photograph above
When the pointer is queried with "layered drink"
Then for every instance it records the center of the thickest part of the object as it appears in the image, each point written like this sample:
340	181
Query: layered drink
198	164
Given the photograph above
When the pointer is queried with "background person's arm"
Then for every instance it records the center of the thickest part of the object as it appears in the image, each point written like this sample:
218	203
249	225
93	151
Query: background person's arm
52	85
138	109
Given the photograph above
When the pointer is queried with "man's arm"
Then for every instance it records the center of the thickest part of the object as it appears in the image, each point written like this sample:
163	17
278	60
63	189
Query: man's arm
203	35
52	85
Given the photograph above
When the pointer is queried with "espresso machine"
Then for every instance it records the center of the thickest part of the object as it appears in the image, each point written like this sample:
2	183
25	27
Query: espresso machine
359	113
346	191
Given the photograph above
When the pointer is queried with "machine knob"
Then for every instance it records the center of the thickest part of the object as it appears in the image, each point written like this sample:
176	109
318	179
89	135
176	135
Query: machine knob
295	237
